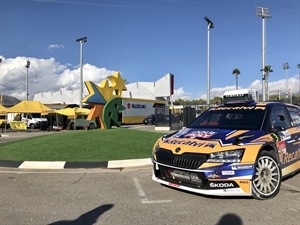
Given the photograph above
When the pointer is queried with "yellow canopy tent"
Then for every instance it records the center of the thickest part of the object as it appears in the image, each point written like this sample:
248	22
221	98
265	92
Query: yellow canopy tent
73	112
30	107
3	110
27	107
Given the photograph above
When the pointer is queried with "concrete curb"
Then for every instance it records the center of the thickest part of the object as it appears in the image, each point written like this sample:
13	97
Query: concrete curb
113	164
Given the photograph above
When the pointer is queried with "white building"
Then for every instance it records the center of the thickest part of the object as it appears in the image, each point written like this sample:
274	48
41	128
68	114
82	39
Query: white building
160	89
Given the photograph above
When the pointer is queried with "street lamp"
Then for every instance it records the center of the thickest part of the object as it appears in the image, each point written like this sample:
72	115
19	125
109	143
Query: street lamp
81	41
264	14
27	67
286	67
209	26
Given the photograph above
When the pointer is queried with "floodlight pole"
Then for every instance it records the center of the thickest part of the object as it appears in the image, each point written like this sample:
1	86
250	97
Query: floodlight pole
264	14
81	41
286	67
27	67
209	26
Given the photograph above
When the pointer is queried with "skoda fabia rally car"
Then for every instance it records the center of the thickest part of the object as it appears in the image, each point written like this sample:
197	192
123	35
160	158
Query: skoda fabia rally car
236	149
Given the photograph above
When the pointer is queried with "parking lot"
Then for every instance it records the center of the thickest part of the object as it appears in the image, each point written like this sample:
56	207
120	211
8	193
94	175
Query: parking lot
129	196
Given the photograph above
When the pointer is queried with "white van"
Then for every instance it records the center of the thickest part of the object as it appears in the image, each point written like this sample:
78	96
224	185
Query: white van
33	120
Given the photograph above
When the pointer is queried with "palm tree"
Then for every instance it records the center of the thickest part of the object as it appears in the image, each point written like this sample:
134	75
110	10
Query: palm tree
267	70
236	72
298	66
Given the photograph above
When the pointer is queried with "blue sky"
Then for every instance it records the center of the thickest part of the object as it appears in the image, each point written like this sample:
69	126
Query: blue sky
146	39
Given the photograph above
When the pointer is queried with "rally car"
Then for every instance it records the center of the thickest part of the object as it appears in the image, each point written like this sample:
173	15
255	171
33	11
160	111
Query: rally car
239	148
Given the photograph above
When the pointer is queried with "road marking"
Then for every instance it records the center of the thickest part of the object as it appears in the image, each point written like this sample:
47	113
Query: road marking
143	195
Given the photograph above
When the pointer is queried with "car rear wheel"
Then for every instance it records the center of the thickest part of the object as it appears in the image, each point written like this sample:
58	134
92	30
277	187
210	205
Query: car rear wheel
267	177
92	126
71	126
32	126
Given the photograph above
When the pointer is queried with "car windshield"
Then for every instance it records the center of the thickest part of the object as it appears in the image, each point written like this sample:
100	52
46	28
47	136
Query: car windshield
237	118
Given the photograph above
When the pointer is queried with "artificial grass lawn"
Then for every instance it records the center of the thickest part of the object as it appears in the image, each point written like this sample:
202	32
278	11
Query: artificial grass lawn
91	145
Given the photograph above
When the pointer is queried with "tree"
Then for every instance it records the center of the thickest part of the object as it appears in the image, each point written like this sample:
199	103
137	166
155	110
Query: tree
298	66
236	72
267	70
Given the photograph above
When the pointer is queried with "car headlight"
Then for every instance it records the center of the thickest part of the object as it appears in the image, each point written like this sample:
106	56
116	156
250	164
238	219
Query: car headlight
155	149
232	156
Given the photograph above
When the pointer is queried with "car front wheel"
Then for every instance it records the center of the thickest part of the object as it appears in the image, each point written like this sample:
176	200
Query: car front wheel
267	178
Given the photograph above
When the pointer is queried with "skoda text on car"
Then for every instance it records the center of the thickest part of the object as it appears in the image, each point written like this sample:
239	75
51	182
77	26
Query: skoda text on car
237	149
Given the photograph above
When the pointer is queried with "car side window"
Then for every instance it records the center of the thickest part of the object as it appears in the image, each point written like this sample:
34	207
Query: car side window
280	118
295	115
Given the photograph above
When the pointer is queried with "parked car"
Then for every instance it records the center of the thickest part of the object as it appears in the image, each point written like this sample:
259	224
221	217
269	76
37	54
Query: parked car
81	122
149	119
156	118
236	149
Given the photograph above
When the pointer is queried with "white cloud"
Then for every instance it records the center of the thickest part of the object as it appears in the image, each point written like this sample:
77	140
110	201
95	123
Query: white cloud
44	75
55	46
180	94
274	87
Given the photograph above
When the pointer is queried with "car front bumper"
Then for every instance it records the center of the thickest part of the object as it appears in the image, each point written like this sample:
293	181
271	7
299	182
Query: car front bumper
222	180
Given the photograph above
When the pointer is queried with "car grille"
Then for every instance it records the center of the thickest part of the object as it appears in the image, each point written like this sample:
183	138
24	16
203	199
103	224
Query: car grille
185	160
181	177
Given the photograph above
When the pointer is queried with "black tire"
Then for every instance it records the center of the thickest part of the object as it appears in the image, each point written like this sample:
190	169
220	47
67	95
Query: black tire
32	126
92	126
267	178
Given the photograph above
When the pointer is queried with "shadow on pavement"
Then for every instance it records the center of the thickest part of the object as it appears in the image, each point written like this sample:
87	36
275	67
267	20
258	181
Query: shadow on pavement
88	218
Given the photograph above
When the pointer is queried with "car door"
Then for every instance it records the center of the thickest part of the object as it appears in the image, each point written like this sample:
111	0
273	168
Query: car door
289	156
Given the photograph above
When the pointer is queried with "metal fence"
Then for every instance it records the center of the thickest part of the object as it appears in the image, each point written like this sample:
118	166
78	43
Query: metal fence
166	117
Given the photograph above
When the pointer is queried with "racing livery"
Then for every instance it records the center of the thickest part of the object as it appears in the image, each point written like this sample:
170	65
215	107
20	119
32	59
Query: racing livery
240	148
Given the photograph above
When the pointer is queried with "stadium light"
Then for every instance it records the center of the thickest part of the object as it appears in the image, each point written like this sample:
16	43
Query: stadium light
209	26
286	67
27	67
264	14
81	41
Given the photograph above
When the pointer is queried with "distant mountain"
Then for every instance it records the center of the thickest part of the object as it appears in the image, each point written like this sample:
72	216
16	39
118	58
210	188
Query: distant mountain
9	101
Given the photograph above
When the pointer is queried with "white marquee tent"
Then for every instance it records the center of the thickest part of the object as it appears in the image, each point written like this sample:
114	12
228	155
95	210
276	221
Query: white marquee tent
161	88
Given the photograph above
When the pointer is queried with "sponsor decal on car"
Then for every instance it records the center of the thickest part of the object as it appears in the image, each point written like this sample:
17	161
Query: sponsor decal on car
200	134
290	157
285	135
221	185
229	172
187	142
214	176
242	167
180	133
244	181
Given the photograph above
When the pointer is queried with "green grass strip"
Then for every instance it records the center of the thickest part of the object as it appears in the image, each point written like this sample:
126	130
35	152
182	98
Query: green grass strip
91	145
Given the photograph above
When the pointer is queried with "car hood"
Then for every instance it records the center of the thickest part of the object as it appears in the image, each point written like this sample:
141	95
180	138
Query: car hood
208	140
